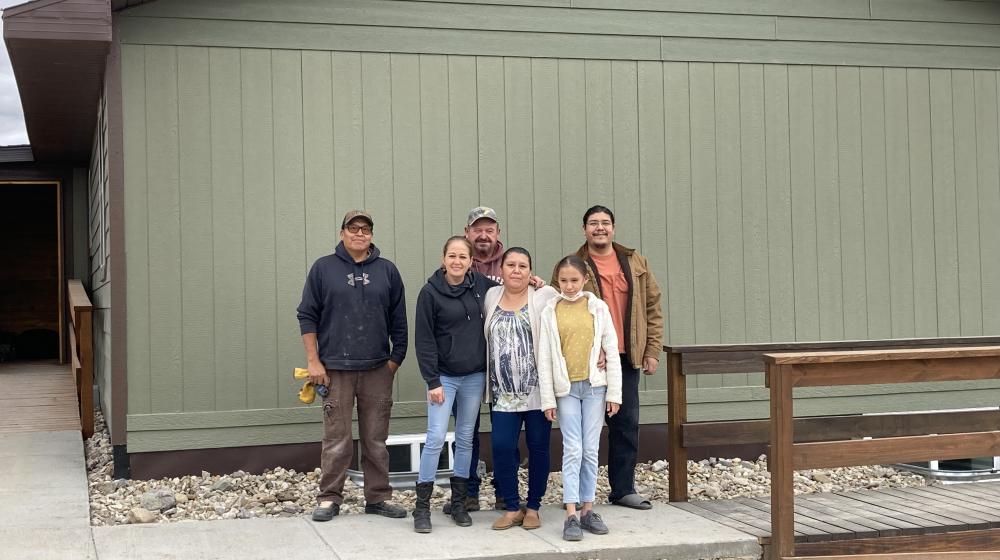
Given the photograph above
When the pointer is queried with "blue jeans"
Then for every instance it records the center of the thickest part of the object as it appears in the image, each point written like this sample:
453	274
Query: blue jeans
467	392
474	481
581	417
506	437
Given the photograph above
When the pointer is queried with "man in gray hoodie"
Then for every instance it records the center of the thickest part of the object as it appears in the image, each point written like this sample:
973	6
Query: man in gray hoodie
353	324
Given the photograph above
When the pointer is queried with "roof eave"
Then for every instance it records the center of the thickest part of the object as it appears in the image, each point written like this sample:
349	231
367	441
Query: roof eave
58	54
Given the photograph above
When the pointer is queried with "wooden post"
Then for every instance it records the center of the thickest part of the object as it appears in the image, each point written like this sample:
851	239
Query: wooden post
677	409
779	461
82	350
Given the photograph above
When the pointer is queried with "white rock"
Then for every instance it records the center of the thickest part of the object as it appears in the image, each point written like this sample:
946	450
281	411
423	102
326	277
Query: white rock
287	493
223	485
141	515
821	477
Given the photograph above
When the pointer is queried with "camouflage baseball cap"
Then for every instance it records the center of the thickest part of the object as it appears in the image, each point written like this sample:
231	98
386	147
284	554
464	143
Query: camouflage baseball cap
480	212
353	214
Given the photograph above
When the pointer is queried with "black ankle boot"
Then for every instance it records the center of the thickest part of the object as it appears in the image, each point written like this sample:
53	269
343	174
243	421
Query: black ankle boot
459	492
422	510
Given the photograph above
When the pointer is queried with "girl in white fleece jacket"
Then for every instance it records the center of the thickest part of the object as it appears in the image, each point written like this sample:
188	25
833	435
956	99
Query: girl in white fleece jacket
575	328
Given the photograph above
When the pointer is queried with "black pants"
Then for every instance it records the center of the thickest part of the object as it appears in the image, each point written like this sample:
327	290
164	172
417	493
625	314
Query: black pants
623	435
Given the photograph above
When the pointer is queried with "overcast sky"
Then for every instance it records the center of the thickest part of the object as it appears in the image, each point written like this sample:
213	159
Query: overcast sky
11	120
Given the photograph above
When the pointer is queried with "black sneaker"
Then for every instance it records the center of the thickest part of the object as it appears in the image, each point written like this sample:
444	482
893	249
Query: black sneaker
572	530
385	509
593	523
327	513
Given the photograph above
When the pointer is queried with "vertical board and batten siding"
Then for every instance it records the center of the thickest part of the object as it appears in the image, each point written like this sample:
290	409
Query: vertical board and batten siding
775	199
99	257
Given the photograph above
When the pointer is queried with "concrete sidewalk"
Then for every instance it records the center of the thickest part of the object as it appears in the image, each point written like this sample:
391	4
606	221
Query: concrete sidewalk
663	532
44	514
44	504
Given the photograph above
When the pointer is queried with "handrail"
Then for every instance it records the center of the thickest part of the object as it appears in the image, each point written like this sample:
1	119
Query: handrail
82	352
785	371
685	360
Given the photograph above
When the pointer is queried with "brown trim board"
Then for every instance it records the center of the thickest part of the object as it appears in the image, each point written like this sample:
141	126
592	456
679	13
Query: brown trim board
305	456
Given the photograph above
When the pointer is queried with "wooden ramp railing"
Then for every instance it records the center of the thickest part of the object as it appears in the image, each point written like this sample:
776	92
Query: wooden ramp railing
685	435
82	352
787	371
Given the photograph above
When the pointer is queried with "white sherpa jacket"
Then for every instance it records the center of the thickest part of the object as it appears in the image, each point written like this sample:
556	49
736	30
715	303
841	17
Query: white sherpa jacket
553	379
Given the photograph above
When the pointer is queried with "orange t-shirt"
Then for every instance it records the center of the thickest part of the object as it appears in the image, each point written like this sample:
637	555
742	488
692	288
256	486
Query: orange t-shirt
614	292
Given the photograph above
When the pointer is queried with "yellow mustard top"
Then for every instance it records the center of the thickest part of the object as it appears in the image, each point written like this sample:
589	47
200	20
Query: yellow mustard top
576	337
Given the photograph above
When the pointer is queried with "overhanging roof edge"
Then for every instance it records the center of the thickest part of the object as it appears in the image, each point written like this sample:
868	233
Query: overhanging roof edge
59	60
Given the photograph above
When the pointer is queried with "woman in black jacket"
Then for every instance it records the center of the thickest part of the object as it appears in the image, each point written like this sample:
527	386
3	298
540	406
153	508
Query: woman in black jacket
451	352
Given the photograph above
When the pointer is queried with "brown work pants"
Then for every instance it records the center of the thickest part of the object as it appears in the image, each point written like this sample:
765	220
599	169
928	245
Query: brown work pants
373	390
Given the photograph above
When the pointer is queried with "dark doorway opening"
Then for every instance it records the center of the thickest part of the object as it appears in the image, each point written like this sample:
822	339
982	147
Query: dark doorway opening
30	272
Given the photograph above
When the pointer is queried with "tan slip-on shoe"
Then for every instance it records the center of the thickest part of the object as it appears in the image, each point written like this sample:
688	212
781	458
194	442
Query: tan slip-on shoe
531	521
506	522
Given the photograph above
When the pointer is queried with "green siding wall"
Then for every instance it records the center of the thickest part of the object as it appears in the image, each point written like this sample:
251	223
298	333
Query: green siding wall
775	201
96	256
918	33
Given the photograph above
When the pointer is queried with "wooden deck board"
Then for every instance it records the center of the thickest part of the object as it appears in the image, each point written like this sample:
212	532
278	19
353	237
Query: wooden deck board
991	489
814	529
732	522
986	508
750	516
37	397
977	492
836	522
940	507
908	525
883	526
899	509
865	516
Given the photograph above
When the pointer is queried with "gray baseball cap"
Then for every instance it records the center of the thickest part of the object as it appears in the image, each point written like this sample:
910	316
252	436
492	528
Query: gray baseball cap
480	212
353	214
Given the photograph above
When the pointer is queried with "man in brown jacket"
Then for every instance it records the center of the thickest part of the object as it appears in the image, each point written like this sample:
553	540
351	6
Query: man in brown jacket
621	277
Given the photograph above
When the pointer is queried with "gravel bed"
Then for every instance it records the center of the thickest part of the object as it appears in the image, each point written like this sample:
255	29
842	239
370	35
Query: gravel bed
287	493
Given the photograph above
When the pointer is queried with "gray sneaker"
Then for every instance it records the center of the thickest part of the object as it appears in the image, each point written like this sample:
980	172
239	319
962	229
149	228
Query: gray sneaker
593	523
572	530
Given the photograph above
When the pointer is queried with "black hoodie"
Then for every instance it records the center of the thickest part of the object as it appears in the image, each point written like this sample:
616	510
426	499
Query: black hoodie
355	309
449	327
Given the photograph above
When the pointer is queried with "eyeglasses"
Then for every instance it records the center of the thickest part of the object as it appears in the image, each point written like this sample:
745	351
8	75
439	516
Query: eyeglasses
354	228
595	223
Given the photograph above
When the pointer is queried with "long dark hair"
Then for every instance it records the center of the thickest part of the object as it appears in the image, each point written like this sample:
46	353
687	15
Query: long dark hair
518	250
573	261
454	238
